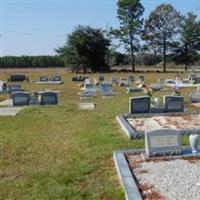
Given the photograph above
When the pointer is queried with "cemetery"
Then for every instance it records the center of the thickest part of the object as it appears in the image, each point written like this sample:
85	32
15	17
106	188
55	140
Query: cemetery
100	100
159	127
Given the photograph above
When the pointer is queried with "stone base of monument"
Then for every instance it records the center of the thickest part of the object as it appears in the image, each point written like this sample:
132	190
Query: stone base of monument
158	177
86	106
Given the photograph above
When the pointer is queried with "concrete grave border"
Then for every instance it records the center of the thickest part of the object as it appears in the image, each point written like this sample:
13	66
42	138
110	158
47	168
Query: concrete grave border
126	177
131	133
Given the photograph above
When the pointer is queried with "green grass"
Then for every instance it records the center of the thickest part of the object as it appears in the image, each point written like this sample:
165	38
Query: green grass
59	152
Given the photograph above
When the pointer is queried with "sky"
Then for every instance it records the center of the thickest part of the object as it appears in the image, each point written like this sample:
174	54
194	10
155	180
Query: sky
37	27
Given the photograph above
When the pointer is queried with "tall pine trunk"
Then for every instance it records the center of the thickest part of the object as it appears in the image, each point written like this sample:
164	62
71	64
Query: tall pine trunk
132	54
164	54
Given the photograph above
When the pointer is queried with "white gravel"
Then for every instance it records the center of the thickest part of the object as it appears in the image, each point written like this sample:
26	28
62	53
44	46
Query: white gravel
175	180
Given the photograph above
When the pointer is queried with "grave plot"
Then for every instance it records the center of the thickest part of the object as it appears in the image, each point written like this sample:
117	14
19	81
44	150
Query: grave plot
134	126
86	106
52	80
164	170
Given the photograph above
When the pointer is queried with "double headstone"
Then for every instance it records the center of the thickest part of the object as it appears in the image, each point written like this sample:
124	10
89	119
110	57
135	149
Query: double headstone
139	105
20	98
162	142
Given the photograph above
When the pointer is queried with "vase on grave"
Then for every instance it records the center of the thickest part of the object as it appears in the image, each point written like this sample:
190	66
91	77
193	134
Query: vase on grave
194	142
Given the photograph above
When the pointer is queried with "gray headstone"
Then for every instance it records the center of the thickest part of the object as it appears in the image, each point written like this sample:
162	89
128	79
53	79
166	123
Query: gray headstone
114	79
139	105
162	142
48	98
14	88
44	78
195	97
196	80
141	78
56	78
106	89
20	98
131	78
173	103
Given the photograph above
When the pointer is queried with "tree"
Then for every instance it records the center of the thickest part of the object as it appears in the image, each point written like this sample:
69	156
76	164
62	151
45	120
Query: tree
86	48
161	29
189	47
129	13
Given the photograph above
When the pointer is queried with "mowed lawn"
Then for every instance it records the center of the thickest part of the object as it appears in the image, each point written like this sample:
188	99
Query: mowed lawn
60	152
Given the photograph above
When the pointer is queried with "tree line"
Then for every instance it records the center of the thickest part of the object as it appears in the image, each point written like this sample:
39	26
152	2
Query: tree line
31	61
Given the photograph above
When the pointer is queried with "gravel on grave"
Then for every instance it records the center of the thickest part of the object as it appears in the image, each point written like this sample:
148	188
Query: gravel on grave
174	179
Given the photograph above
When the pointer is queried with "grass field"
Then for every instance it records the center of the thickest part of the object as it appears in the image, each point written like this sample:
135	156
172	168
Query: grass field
60	152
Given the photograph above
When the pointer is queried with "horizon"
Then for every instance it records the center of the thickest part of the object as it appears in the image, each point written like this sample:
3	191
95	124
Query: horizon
32	28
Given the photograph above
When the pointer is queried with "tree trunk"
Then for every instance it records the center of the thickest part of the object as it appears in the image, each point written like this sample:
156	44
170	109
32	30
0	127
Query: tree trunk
132	58
164	54
84	69
186	55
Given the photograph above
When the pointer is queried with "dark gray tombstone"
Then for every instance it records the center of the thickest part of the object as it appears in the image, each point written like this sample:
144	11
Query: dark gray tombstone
162	142
48	98
20	98
18	77
101	78
173	104
56	78
131	78
195	97
106	89
14	88
44	78
196	80
141	78
114	79
139	105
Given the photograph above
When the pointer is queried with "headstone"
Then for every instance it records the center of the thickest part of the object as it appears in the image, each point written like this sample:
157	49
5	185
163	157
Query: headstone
155	86
131	78
139	105
18	77
14	88
44	78
123	82
48	98
20	98
141	78
196	80
106	89
162	142
86	106
114	80
195	97
56	78
173	103
101	78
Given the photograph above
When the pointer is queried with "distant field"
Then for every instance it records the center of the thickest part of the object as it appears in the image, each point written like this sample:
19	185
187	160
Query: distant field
60	152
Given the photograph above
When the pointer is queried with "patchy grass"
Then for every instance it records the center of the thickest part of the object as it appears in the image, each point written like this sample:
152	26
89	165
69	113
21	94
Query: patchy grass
59	152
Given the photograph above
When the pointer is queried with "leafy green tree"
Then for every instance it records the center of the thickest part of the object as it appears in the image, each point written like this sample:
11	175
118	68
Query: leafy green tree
189	46
129	13
86	48
161	30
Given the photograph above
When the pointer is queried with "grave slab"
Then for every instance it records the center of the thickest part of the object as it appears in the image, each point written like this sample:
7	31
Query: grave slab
86	106
10	111
7	102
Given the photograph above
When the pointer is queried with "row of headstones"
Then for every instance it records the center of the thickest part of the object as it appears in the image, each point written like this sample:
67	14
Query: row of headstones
142	104
22	77
43	98
53	78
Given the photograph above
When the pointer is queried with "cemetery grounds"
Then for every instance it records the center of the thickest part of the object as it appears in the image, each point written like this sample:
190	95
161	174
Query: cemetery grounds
61	152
